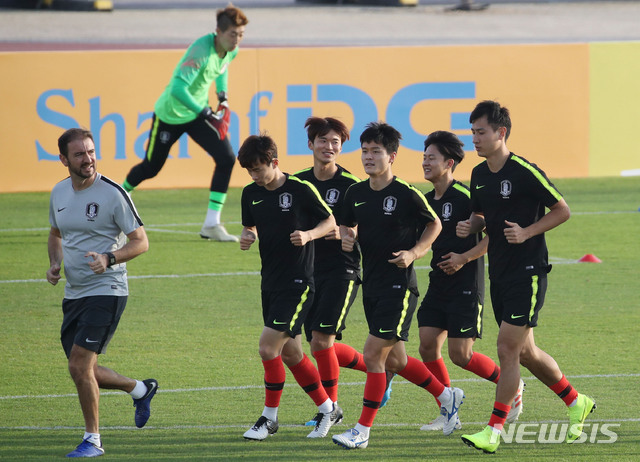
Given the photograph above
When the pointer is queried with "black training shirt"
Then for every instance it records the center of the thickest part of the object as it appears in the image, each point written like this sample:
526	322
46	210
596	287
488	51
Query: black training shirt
296	205
330	259
519	193
452	207
389	220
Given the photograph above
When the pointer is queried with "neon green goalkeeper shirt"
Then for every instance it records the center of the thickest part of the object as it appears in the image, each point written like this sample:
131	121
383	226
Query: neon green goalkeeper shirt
188	91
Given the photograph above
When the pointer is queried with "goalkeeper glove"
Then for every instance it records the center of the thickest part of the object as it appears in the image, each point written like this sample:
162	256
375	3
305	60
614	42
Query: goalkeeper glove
219	120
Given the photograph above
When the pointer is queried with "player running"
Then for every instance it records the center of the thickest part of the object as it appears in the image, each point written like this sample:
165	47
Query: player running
394	226
509	195
286	214
336	272
453	306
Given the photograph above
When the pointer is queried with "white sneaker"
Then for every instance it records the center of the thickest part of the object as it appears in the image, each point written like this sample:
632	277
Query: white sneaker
217	233
261	429
438	423
312	422
450	409
351	439
516	406
325	421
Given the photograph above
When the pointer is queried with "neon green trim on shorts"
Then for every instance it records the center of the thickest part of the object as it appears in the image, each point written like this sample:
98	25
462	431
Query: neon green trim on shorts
346	304
534	296
299	309
479	320
405	308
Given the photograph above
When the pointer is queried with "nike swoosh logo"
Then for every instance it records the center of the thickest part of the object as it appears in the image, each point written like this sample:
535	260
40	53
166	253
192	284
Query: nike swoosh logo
151	388
256	202
466	330
480	187
278	322
325	325
91	341
60	210
382	331
516	317
358	204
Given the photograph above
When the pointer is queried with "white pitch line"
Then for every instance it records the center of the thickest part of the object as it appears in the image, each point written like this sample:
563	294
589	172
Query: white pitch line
150	276
613	212
224	427
552	260
260	387
196	275
169	231
158	227
147	226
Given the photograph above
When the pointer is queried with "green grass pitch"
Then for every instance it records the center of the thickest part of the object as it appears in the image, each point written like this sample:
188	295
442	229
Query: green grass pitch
193	322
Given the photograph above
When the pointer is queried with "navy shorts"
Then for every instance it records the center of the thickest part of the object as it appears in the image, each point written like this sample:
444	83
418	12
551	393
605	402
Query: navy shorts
90	322
518	302
330	307
389	315
286	310
459	313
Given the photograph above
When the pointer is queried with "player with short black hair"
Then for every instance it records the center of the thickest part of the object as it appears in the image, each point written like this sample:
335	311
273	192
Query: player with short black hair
453	306
287	214
509	195
394	226
336	272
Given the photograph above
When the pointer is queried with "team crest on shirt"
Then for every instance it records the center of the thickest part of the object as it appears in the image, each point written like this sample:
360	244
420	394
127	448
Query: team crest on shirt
92	211
285	201
447	211
389	204
331	197
505	189
164	137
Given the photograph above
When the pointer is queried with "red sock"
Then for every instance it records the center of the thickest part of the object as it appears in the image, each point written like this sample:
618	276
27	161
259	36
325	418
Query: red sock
308	378
349	357
274	376
329	371
374	389
565	391
416	372
483	366
499	415
439	369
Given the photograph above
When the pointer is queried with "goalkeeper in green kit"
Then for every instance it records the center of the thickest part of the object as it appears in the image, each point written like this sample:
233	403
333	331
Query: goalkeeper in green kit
184	107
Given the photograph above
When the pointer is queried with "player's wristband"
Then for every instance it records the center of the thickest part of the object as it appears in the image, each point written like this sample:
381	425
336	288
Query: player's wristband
111	259
222	96
206	112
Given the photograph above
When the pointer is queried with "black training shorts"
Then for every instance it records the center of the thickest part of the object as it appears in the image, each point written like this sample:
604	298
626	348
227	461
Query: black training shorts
389	315
90	322
286	310
518	302
459	313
